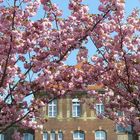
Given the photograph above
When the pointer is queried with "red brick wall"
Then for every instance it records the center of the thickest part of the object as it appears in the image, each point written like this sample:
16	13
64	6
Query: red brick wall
68	125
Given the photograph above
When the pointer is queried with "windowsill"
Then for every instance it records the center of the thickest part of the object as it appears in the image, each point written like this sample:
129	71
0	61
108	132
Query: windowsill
123	133
76	116
52	116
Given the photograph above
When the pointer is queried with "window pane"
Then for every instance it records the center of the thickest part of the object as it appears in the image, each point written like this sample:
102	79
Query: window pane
50	114
120	128
27	136
97	134
100	135
81	135
55	110
52	108
120	113
76	108
54	101
99	109
60	136
1	137
102	109
45	136
75	134
74	111
52	136
30	137
78	135
129	128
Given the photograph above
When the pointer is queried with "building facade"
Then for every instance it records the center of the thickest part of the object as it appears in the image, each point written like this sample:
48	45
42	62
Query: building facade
69	119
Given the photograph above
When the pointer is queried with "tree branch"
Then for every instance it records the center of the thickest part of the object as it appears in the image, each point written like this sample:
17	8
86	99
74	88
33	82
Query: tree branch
11	40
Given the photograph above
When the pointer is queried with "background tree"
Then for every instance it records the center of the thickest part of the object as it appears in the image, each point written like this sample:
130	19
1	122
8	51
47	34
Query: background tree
33	52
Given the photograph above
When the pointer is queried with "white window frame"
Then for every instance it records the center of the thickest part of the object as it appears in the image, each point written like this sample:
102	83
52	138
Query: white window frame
99	110
76	108
52	108
52	135
60	135
101	137
1	136
79	134
28	136
45	136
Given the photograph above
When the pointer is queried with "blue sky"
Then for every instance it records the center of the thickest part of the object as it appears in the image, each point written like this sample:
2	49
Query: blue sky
93	5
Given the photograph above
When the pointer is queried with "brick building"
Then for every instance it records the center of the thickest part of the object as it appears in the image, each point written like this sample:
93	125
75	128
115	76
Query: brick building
69	119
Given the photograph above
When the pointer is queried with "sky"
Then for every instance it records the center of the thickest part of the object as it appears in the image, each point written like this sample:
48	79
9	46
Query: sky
93	5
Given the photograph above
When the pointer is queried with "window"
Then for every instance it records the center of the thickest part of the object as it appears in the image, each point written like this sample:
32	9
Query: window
76	108
1	137
27	136
120	113
100	135
60	135
52	135
52	108
120	128
78	135
45	136
99	109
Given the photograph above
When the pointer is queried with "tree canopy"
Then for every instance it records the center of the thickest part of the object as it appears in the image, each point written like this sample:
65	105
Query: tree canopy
33	53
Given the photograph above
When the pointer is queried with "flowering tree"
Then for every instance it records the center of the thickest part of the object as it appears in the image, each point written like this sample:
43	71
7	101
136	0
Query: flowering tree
116	67
34	51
